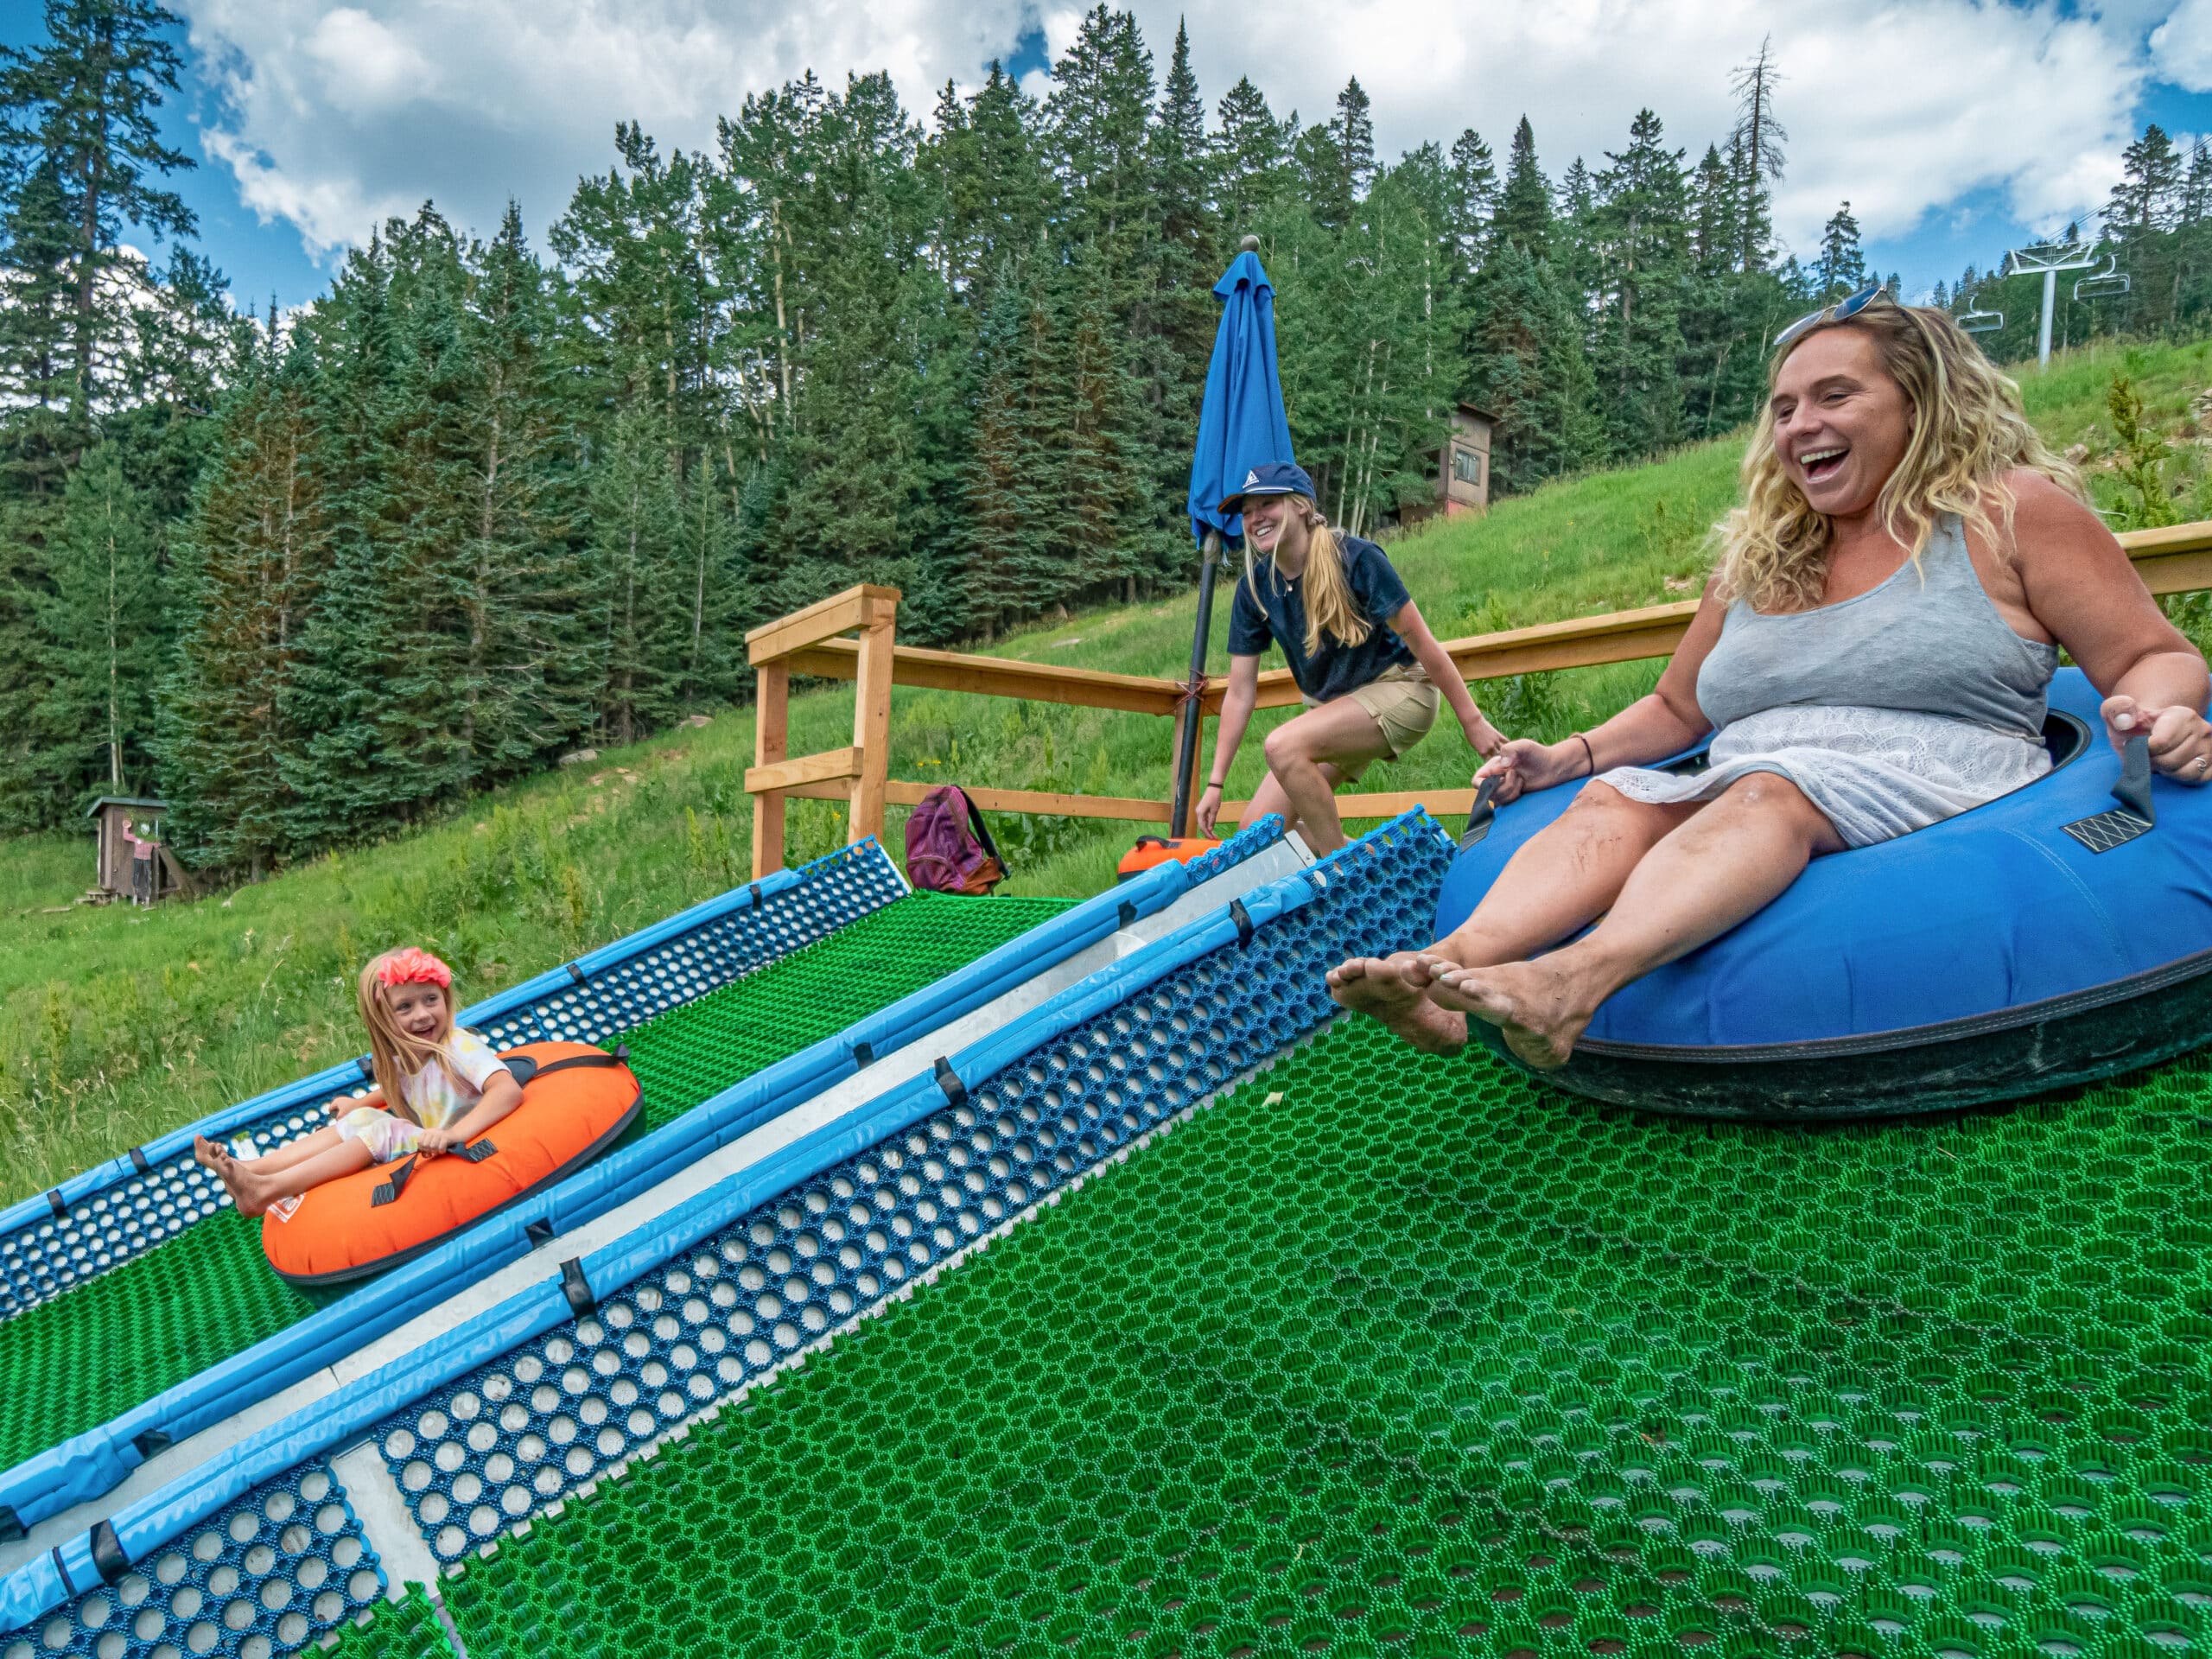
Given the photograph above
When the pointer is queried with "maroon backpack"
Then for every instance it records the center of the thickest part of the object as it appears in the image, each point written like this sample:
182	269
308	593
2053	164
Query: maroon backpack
949	849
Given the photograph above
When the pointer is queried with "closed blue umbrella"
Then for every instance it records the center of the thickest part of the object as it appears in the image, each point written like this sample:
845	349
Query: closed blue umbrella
1240	425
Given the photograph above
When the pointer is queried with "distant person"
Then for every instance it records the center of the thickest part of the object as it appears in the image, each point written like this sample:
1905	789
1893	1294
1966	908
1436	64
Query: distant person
1872	655
437	1087
1370	671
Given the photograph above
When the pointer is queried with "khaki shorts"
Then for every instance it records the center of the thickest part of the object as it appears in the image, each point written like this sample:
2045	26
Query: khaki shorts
1403	701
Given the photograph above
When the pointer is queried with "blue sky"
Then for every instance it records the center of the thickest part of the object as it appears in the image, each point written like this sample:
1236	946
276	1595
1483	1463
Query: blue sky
1956	127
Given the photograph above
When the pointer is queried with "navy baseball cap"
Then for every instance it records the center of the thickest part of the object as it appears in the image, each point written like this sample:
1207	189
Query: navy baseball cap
1271	478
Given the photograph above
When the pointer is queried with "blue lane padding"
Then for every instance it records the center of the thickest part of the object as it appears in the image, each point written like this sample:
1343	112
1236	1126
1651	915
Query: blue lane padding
97	1459
352	1410
32	1211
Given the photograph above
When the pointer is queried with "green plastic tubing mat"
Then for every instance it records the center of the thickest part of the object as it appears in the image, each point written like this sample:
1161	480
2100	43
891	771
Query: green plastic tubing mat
1385	1354
95	1352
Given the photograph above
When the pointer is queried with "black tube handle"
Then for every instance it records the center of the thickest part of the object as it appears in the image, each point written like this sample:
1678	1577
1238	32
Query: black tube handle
1478	820
2134	789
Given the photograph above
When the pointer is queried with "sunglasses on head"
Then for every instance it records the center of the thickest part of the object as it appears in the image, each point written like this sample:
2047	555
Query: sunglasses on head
1841	311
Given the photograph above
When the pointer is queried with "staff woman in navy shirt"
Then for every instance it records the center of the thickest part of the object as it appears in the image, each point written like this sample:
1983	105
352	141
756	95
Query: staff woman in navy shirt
1369	668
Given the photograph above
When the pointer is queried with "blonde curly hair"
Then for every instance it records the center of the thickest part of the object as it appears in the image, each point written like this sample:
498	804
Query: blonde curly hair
1969	431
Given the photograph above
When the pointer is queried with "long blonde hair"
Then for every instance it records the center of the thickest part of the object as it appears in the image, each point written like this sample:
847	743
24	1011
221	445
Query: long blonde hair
393	1055
1328	596
1968	430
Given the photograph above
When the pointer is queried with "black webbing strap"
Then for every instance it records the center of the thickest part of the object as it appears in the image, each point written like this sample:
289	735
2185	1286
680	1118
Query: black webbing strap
475	1151
151	1442
948	1080
68	1584
537	1232
982	830
1127	916
11	1524
138	1160
367	1071
388	1190
58	1204
577	1288
863	1054
526	1070
755	891
107	1553
1242	917
576	973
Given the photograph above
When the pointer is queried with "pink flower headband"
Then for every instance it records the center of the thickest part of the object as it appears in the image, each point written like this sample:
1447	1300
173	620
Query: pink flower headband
413	967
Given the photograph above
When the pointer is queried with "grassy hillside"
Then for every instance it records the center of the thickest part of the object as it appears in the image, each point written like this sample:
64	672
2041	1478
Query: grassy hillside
116	1024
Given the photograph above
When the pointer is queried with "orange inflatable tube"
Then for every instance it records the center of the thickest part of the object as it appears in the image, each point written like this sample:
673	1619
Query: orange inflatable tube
577	1102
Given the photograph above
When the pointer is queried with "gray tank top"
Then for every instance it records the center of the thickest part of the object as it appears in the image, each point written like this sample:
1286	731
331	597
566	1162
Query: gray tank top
1928	641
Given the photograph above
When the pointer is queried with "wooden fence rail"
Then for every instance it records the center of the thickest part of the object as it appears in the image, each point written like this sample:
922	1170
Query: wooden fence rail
2170	560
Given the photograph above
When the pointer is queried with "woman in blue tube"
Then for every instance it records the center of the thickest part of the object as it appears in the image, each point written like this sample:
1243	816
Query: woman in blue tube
1872	655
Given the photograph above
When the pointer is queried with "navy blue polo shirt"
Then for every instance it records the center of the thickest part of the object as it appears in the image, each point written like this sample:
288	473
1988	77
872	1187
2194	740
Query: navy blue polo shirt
1277	616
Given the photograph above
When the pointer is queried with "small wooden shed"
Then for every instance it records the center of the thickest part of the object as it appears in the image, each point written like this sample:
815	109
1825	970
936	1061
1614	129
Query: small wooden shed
117	819
1462	476
1463	470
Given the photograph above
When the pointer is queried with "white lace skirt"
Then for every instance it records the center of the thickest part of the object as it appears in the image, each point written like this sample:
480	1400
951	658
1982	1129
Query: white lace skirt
1876	772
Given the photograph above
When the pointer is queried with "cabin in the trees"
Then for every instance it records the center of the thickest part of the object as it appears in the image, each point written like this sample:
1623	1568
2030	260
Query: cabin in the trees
1462	475
132	862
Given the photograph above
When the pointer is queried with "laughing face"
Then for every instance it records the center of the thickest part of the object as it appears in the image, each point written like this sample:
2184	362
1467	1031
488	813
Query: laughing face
1264	518
1840	424
419	1010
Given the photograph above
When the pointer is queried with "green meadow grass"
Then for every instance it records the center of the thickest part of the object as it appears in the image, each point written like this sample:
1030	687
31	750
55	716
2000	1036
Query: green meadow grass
118	1024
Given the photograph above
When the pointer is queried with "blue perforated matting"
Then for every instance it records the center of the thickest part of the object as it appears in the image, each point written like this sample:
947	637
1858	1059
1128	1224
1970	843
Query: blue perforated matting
104	1230
282	1566
515	1436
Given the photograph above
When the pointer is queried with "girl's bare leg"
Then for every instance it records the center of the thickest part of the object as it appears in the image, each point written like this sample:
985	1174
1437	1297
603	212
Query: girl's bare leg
1566	874
291	1153
253	1189
1301	782
1731	859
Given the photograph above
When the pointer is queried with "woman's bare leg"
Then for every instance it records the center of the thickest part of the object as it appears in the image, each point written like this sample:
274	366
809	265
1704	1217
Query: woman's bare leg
1299	752
1731	859
1565	876
1268	798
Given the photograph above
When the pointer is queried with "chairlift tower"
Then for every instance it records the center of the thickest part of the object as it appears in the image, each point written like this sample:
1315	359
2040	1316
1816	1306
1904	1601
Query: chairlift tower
2048	262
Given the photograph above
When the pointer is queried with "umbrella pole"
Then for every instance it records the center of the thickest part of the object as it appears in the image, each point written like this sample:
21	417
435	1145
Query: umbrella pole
1186	753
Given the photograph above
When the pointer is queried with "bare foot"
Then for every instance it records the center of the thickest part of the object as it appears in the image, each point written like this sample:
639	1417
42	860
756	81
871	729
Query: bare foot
245	1192
1393	990
209	1154
1536	1007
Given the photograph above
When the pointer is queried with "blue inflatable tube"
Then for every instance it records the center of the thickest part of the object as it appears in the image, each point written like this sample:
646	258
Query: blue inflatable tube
2055	936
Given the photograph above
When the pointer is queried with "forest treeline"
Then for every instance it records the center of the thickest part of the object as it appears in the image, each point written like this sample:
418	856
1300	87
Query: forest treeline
309	577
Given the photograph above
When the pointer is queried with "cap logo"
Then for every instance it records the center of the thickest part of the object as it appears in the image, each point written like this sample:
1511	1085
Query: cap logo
1251	477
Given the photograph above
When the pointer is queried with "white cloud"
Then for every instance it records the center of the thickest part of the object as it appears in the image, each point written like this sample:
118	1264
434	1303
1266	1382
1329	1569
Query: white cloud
1900	108
2182	45
338	114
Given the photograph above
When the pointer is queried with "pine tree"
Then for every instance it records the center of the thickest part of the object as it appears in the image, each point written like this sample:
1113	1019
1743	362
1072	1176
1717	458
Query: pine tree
255	557
1842	269
81	109
1644	231
1174	359
1755	147
1471	200
1531	373
638	568
1248	151
1523	218
103	628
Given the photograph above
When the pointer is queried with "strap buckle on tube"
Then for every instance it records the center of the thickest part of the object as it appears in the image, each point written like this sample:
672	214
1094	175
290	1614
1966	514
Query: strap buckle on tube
575	974
152	1442
58	1204
576	1287
138	1160
1242	917
955	1091
107	1553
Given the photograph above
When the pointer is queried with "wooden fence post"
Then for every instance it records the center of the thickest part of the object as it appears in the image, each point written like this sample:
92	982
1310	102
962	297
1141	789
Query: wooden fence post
872	724
770	744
